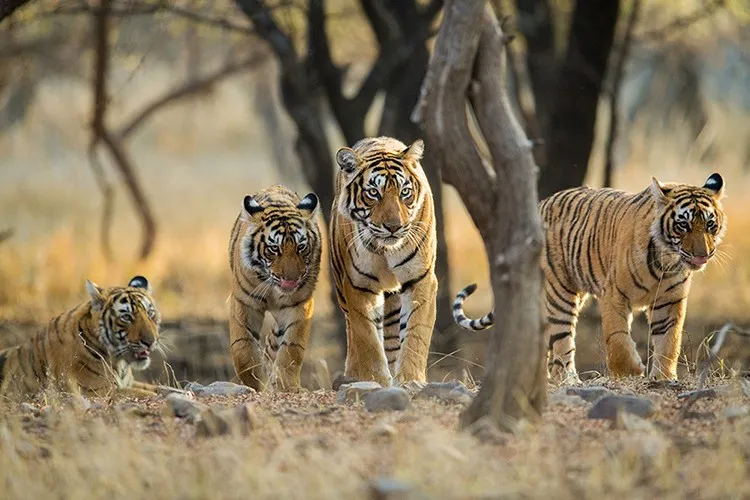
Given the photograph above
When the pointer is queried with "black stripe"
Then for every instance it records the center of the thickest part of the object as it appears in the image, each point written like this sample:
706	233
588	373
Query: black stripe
666	304
3	358
675	285
555	321
409	284
414	252
366	275
558	336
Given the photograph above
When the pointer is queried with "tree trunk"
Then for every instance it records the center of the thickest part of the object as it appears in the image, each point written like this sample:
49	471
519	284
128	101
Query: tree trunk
570	134
501	198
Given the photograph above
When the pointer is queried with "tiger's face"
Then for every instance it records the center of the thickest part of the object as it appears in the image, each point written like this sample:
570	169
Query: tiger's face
128	320
690	219
383	190
281	244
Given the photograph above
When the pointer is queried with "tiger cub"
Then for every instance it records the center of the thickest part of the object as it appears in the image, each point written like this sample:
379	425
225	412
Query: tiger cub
274	256
383	259
632	251
93	347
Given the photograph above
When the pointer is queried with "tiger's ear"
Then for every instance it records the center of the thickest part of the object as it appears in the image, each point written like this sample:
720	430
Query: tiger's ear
251	206
308	204
97	295
659	191
414	152
140	282
715	184
347	159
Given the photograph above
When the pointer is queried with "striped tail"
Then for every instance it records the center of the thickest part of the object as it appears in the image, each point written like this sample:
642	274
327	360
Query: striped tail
460	318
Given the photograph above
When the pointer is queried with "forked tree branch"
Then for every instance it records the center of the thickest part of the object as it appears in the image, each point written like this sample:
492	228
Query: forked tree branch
101	134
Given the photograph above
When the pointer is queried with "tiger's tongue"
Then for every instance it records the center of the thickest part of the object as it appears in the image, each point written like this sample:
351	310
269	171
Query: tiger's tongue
288	284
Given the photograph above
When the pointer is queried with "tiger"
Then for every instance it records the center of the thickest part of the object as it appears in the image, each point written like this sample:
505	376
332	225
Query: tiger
274	258
383	248
93	347
633	252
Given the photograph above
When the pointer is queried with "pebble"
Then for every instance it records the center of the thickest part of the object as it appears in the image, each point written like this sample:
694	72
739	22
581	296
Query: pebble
218	388
389	399
589	394
387	488
239	420
355	391
609	406
185	407
342	380
736	412
448	392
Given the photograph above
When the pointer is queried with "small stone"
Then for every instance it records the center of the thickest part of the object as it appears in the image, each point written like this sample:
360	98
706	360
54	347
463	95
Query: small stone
239	420
354	392
342	380
389	399
384	429
589	394
413	386
386	488
699	394
558	399
219	388
29	408
184	407
736	412
447	392
609	406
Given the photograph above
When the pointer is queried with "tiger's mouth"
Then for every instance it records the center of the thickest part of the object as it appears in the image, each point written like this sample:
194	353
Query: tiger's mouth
695	262
139	359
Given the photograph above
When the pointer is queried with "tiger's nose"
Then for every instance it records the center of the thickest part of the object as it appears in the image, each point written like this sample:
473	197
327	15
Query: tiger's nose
391	226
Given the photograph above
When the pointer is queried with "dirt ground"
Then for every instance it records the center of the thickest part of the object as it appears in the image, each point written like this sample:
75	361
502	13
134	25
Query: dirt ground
308	446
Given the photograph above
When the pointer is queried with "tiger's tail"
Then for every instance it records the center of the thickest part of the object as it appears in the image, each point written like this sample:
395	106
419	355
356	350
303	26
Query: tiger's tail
460	318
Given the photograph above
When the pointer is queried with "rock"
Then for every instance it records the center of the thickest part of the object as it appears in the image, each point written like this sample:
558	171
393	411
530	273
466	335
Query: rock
354	392
238	420
29	408
736	412
342	380
448	392
631	422
698	394
486	431
218	388
413	386
558	399
589	394
389	399
386	488
384	429
185	407
666	384
609	406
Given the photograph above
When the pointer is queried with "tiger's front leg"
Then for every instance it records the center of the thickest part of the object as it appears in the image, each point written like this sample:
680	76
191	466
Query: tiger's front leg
365	356
622	357
666	322
245	324
417	321
286	346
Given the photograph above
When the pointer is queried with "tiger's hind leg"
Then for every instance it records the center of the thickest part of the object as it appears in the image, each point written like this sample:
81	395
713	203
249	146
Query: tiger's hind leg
561	308
245	324
391	336
285	347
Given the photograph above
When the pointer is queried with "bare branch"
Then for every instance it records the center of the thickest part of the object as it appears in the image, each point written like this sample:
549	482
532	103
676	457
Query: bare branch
265	26
6	234
618	71
442	113
100	133
8	7
187	90
682	23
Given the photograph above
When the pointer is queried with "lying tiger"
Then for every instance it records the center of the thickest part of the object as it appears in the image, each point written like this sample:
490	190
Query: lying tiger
632	251
93	347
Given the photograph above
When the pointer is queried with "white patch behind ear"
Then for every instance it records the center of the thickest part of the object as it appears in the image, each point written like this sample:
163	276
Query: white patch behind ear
347	159
658	191
308	204
96	294
251	206
415	151
140	282
715	184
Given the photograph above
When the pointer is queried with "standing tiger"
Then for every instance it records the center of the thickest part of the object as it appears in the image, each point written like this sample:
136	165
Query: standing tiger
632	251
383	259
93	347
274	256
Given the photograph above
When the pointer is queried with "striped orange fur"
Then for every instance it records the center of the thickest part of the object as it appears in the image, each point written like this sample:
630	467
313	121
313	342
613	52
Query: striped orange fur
274	256
634	252
93	347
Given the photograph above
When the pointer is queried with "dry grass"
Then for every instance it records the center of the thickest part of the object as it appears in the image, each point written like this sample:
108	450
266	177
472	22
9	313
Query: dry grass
307	446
